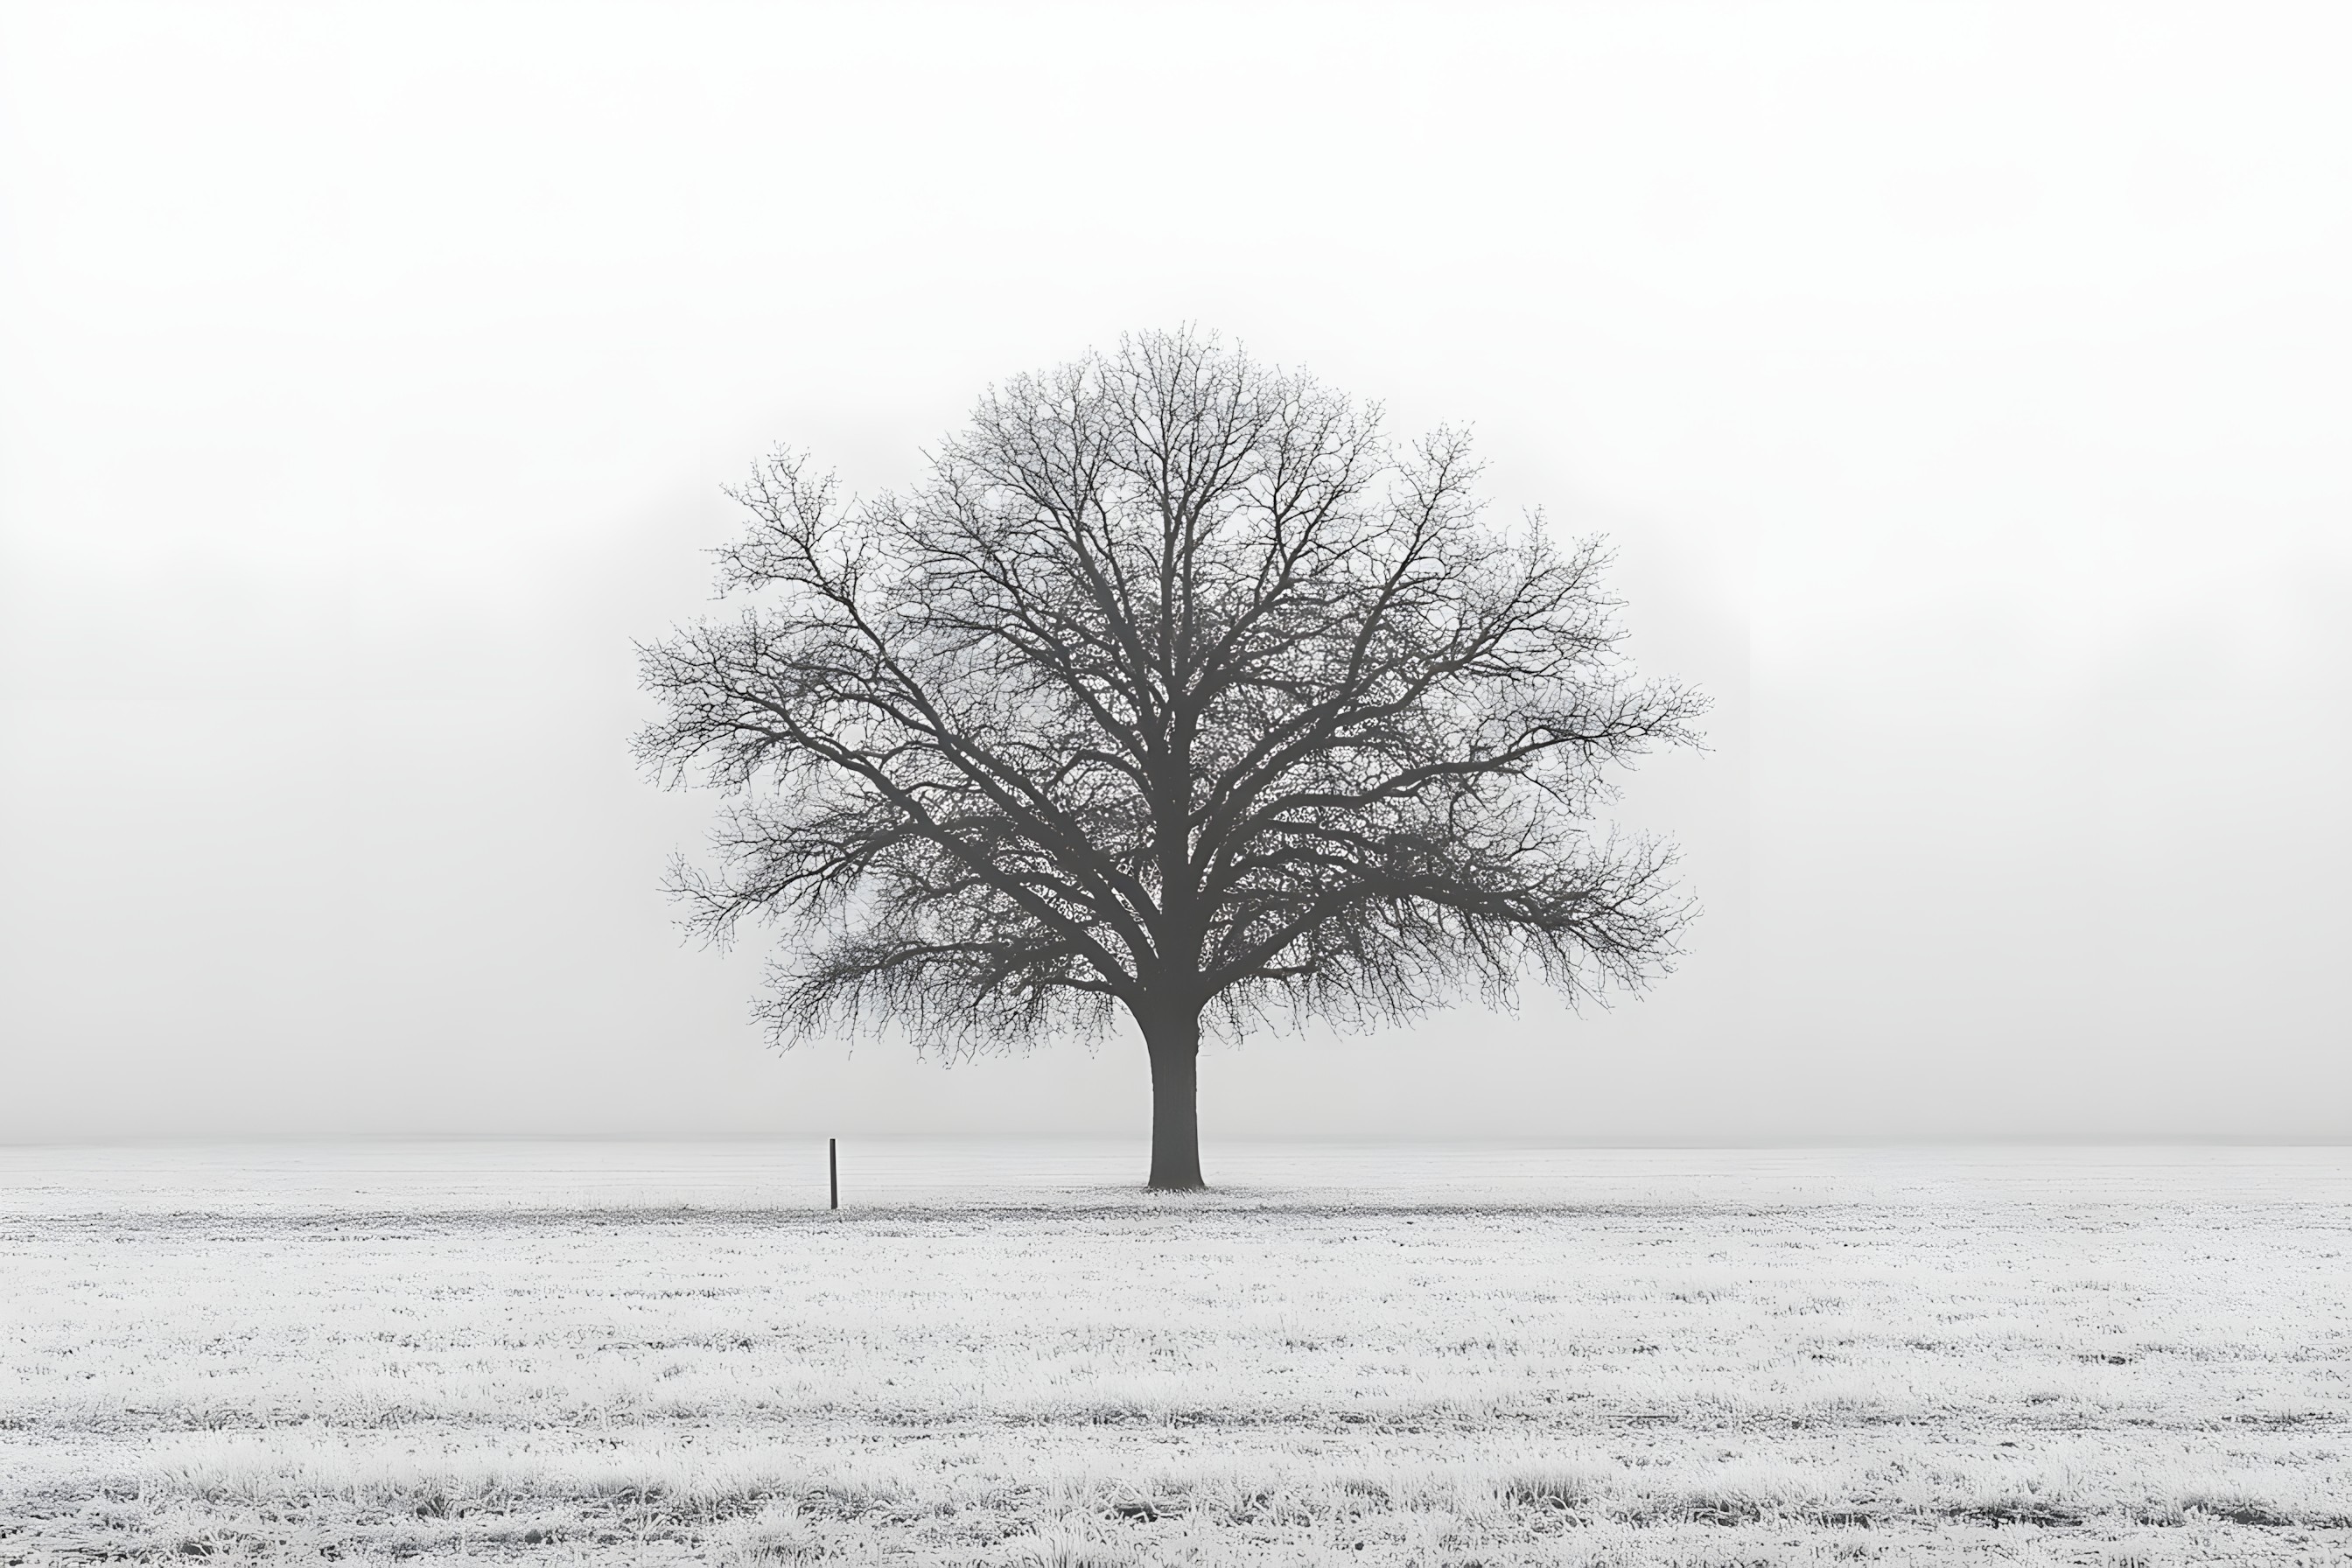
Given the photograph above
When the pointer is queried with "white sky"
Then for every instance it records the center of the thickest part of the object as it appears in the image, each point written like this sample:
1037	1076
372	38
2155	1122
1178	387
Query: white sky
1965	389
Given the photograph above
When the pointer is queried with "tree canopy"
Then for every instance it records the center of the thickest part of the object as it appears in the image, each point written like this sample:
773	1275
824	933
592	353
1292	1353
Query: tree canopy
1174	686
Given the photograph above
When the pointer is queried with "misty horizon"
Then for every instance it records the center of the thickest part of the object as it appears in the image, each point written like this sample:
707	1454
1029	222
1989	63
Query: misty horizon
1978	467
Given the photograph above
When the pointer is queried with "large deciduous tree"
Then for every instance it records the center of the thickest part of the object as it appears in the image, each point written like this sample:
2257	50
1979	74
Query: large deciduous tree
1175	686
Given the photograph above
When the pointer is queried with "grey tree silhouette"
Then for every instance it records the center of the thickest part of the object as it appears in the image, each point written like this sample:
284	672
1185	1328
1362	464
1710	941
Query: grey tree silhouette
1174	686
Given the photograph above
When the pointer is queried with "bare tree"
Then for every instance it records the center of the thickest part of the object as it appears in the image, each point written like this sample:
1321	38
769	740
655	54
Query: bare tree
1174	686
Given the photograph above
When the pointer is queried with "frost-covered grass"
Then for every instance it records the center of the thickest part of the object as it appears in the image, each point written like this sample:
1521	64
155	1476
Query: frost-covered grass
632	1354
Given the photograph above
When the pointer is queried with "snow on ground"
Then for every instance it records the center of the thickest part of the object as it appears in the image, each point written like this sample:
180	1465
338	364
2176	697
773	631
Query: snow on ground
625	1353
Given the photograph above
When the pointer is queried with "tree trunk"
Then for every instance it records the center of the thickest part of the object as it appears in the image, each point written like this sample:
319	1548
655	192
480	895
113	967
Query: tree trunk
1174	1042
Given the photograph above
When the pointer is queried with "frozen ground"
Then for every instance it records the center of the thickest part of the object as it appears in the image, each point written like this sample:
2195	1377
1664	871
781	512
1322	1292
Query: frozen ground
568	1353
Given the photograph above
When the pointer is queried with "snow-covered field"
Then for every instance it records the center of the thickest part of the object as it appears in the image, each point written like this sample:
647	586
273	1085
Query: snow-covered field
632	1353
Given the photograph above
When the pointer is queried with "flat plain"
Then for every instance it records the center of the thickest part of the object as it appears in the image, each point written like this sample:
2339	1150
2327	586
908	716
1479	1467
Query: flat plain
644	1353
